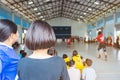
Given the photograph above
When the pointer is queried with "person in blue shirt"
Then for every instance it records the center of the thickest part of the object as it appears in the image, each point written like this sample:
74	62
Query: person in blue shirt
8	57
40	65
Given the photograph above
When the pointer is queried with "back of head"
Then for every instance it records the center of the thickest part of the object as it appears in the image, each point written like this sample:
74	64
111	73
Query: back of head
24	54
65	56
75	53
99	32
71	63
88	62
40	35
7	27
52	52
21	51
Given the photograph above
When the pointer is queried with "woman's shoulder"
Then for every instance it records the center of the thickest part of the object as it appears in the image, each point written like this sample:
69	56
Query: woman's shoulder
58	58
55	58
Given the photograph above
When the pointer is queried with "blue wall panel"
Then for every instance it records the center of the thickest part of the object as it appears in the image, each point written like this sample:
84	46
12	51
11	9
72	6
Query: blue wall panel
28	24
4	14
100	23
109	20
24	23
90	27
17	20
117	20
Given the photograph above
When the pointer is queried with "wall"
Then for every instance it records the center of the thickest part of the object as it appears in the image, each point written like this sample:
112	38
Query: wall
78	28
5	13
108	24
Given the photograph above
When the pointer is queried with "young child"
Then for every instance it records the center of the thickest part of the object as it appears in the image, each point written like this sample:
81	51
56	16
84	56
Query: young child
66	58
74	73
78	61
52	51
88	73
22	54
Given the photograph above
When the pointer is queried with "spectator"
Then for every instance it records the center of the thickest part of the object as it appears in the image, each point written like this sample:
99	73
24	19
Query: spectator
88	73
52	52
8	57
74	73
78	62
66	58
40	65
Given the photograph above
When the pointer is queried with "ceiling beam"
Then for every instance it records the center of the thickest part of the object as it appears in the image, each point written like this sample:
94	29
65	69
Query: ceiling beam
108	2
18	2
83	5
104	10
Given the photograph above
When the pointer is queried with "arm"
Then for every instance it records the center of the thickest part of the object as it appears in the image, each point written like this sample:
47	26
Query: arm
97	37
0	66
95	75
3	57
64	74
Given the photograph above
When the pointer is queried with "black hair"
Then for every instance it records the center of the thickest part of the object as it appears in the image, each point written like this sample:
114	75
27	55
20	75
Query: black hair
71	63
75	53
24	54
52	51
7	27
21	51
65	56
99	32
40	35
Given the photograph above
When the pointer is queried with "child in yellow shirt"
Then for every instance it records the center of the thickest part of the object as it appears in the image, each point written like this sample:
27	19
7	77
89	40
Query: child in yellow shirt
77	58
66	59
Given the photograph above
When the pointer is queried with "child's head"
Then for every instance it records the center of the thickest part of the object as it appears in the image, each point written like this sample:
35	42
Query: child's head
21	51
81	57
99	32
52	51
71	63
64	56
24	54
68	63
75	53
88	62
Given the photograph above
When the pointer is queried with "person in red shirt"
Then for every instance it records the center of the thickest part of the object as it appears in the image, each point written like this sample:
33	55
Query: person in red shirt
102	45
68	42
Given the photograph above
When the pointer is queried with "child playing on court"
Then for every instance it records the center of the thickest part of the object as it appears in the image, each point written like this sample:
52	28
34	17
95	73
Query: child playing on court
102	45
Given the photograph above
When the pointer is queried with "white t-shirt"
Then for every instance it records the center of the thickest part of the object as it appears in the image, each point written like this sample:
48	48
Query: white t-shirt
89	74
74	73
